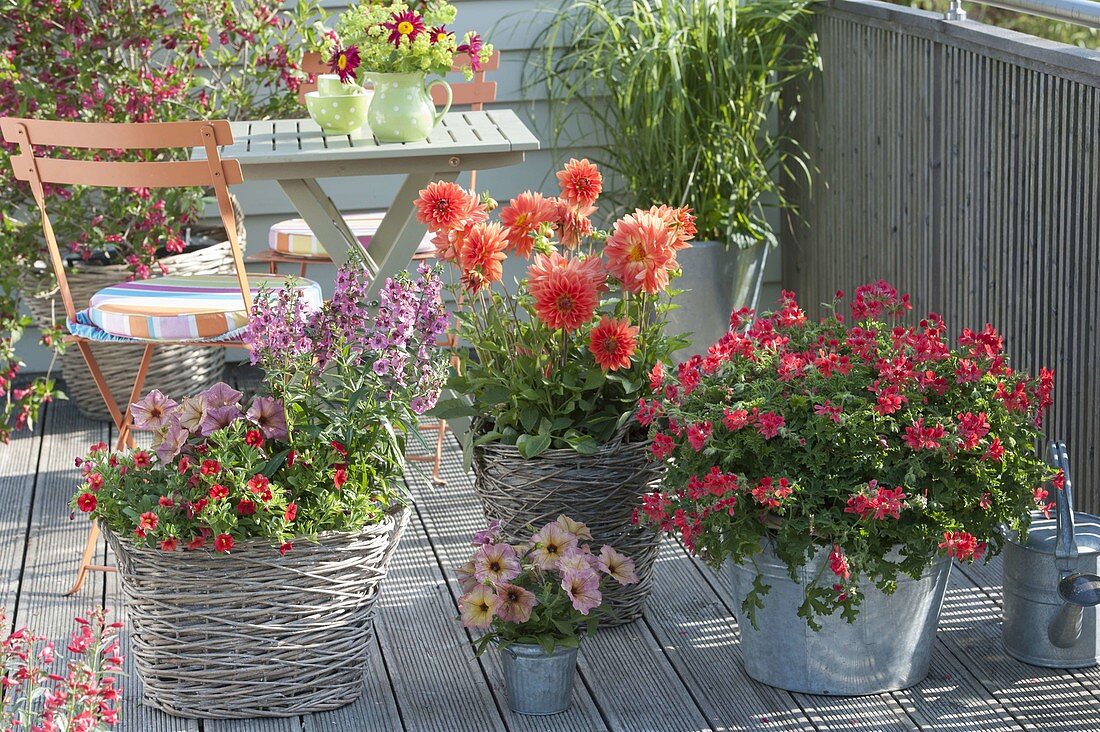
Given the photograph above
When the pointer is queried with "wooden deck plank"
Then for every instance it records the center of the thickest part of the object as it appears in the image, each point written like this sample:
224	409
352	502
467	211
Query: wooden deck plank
452	515
438	684
699	636
18	468
375	711
621	668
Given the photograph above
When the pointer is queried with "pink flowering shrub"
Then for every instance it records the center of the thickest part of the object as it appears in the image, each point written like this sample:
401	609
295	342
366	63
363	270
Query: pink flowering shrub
321	451
544	592
84	698
854	438
136	61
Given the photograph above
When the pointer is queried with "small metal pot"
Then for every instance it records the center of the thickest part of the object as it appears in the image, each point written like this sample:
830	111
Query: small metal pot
887	647
536	683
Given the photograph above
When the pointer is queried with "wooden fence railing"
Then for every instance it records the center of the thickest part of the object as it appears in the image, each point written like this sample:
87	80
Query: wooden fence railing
960	162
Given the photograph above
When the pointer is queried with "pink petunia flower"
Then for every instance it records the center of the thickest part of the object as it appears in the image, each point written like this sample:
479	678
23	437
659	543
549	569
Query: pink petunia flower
153	412
496	563
583	589
515	603
616	565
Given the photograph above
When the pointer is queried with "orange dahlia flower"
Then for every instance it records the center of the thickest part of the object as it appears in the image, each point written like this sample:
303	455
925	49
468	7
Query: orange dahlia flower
523	216
681	220
581	183
480	253
612	343
444	206
641	252
566	291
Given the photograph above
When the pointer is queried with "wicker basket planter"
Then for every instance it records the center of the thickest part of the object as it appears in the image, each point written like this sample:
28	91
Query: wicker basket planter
252	633
600	490
175	370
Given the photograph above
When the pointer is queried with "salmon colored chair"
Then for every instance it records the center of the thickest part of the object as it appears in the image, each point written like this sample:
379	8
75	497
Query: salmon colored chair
291	241
208	310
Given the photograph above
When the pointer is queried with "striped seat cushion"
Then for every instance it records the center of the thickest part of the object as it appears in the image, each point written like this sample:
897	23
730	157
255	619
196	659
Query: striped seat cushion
183	308
293	236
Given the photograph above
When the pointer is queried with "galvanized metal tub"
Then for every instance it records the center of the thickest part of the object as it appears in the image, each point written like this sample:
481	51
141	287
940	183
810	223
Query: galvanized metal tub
538	683
888	647
716	281
1031	598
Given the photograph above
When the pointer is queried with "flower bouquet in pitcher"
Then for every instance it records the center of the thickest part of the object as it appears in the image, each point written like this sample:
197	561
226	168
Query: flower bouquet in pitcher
396	46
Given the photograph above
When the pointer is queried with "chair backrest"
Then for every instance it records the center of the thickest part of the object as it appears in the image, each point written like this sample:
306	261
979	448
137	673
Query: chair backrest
38	169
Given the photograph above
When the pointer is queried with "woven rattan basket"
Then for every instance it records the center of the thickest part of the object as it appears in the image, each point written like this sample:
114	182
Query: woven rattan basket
252	633
600	490
175	370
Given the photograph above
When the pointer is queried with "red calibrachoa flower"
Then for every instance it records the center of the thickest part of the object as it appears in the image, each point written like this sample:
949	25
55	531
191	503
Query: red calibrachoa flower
86	502
254	438
854	443
223	543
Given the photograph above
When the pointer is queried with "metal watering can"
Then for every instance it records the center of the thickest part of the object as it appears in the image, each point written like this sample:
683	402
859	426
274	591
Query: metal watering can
1051	587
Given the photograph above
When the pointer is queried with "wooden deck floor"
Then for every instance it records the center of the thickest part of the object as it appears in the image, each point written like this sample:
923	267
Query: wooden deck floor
676	669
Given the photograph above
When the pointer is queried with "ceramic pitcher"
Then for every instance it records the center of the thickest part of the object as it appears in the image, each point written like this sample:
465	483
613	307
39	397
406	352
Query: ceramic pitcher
402	109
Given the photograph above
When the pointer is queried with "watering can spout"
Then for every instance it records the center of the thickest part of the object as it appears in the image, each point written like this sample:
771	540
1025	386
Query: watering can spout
1078	591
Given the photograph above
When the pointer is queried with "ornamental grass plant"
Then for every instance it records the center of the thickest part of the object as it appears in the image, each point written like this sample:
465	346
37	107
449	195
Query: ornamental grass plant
682	99
883	444
322	450
558	361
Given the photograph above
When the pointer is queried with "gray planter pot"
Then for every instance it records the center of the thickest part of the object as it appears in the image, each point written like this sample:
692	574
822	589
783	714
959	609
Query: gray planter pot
536	683
717	280
888	647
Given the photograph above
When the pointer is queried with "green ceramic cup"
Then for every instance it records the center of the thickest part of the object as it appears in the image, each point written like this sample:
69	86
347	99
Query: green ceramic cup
329	85
340	115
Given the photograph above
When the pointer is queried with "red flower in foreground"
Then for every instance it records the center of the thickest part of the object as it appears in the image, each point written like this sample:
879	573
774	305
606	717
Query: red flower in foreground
197	543
919	437
254	438
169	545
223	542
838	563
343	62
210	467
962	545
291	512
285	548
340	476
86	502
612	343
246	507
218	492
142	459
581	182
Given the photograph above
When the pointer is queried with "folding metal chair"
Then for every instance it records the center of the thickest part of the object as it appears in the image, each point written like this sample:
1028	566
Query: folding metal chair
202	310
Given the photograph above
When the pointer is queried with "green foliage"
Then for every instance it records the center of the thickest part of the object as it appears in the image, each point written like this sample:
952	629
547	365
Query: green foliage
683	100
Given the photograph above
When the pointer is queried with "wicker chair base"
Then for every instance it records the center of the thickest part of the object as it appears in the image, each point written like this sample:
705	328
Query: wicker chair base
252	633
600	490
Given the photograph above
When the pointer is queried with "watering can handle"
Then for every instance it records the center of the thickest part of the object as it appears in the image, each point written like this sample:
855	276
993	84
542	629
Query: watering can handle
1065	547
450	97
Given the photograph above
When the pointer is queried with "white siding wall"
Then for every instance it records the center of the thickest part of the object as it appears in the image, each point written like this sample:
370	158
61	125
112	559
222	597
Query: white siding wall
513	26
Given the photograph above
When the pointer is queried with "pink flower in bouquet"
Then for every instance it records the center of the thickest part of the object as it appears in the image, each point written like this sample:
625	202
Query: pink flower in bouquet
641	252
478	607
550	544
344	62
153	412
523	216
440	34
221	395
515	603
496	563
219	417
404	26
612	343
616	565
583	589
472	48
581	183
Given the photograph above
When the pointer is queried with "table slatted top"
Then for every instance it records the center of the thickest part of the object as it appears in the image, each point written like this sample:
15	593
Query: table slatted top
300	140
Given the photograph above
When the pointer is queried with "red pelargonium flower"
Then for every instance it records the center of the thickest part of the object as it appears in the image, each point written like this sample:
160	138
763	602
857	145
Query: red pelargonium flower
971	429
481	255
697	434
404	27
919	437
768	424
565	290
522	218
343	62
662	446
223	543
838	563
581	183
641	252
962	545
612	343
